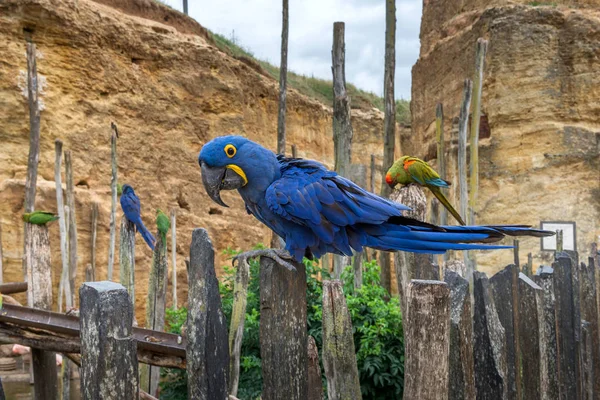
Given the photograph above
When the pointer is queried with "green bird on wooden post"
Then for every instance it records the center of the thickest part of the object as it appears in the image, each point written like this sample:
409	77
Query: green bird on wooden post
39	217
409	170
163	224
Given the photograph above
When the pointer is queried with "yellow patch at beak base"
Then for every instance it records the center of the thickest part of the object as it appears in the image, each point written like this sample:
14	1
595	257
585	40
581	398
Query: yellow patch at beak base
238	171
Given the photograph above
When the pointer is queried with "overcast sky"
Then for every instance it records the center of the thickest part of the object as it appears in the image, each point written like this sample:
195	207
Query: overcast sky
256	25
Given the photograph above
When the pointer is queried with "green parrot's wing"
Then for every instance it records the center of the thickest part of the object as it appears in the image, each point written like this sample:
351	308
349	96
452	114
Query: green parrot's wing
422	173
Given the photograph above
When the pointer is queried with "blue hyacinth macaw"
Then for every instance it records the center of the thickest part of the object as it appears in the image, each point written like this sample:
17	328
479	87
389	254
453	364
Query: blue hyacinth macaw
317	211
130	204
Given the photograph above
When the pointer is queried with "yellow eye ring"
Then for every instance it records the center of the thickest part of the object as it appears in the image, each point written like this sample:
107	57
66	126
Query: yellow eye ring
230	150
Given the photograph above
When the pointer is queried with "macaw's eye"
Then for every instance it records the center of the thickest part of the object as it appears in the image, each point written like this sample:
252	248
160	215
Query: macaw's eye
230	150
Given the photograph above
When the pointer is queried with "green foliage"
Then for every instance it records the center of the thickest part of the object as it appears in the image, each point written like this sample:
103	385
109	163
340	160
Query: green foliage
403	112
173	385
377	328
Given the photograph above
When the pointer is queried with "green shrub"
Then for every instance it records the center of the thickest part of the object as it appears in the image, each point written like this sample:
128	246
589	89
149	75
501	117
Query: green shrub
377	329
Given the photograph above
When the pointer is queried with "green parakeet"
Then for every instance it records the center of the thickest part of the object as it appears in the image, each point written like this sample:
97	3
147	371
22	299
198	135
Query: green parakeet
414	170
39	217
163	224
119	189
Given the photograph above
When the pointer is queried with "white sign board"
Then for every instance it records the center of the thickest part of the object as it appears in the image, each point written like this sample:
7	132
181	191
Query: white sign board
568	231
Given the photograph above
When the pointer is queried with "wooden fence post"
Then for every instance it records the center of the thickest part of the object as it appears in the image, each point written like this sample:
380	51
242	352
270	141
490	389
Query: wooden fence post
489	343
339	357
544	278
427	341
587	362
568	322
236	327
39	295
463	123
174	255
113	197
283	79
155	308
294	151
127	257
505	290
461	365
342	125
532	339
315	385
589	313
207	350
373	171
72	223
1	260
411	265
93	239
283	335
109	367
62	224
441	160
358	174
516	253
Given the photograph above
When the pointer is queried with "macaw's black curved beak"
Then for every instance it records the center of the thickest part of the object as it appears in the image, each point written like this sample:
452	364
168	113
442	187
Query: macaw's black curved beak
216	179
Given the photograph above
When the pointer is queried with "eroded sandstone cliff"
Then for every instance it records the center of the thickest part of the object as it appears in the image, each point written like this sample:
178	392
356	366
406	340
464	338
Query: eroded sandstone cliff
539	155
169	90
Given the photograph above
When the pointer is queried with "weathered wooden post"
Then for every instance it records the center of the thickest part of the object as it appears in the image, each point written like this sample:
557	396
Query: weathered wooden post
411	265
113	197
174	255
441	159
505	290
1	260
283	79
389	103
342	125
283	335
427	341
461	364
39	295
315	385
516	253
544	278
568	323
155	307
587	362
93	239
358	174
62	223
236	327
127	257
528	269
109	367
489	343
463	122
532	339
589	313
294	151
373	171
207	351
339	357
72	223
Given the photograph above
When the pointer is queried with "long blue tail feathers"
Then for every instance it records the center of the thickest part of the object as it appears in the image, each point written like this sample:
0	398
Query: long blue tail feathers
148	237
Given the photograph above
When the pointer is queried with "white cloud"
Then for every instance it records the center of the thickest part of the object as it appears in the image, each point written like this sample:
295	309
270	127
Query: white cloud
256	25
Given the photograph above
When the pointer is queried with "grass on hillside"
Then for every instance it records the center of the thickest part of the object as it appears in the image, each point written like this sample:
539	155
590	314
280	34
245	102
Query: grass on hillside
319	89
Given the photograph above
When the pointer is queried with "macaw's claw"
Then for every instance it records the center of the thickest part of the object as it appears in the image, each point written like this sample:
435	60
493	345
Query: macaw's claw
278	255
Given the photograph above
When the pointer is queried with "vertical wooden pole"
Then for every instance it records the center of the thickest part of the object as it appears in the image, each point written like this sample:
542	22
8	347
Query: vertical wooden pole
427	338
236	327
532	337
339	357
155	308
94	234
516	253
342	125
589	313
109	367
294	151
127	257
72	225
207	351
462	165
62	223
1	258
185	7
389	119
315	385
34	138
39	295
480	52
174	255
113	204
358	174
441	158
373	174
461	365
283	79
283	335
529	267
489	343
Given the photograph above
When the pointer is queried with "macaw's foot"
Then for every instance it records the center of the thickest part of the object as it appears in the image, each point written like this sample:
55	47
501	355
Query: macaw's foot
280	256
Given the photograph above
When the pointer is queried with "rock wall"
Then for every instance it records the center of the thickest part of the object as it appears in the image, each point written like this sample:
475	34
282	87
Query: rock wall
539	156
169	90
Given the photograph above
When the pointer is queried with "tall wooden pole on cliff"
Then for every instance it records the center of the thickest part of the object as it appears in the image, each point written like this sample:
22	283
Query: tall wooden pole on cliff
441	157
174	254
72	225
342	126
389	122
283	80
62	224
463	123
113	205
185	7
